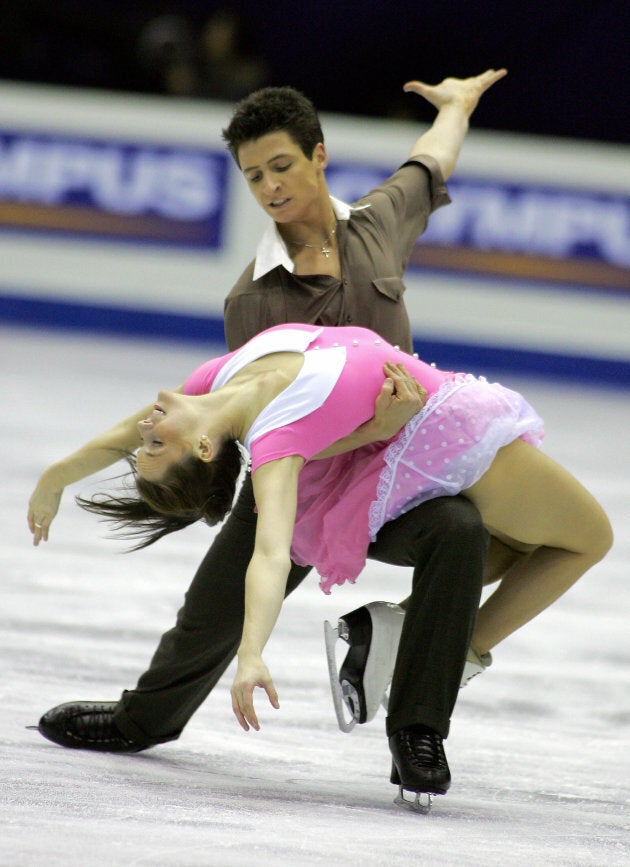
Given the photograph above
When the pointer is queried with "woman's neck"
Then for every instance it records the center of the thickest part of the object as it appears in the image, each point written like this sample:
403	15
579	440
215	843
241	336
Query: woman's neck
222	413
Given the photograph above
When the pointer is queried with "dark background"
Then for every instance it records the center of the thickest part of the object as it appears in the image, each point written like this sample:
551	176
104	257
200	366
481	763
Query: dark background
568	62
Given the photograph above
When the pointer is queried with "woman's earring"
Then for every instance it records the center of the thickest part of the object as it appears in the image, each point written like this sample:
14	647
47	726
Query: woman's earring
205	447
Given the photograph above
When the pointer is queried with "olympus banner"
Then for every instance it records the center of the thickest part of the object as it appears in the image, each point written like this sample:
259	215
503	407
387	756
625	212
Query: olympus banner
177	195
518	230
113	189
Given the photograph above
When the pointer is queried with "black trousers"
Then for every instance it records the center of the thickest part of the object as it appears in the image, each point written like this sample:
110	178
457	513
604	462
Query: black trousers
443	540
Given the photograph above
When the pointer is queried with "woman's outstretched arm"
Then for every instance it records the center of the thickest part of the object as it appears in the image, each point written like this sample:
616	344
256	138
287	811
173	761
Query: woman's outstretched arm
275	490
103	450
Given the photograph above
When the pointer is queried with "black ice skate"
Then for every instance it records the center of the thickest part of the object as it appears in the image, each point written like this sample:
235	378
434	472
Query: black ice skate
360	685
419	766
86	725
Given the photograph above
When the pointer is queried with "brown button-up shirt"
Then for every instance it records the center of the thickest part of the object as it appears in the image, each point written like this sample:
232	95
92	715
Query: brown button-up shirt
375	243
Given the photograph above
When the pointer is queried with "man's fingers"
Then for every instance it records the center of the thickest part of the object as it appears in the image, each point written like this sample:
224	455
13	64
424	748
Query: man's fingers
418	87
405	385
386	394
491	76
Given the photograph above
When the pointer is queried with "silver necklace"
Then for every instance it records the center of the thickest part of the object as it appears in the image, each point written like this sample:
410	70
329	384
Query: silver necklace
324	249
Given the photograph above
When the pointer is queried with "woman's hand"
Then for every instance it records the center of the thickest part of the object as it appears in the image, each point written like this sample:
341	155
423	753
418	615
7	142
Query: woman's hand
102	451
466	92
251	672
43	507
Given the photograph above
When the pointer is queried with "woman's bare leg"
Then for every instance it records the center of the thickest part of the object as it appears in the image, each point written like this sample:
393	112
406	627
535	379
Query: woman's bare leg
503	554
529	498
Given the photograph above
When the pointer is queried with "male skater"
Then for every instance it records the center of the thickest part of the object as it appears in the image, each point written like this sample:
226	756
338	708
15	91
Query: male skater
321	261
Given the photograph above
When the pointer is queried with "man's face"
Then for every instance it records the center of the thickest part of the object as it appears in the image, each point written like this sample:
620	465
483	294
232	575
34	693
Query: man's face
284	182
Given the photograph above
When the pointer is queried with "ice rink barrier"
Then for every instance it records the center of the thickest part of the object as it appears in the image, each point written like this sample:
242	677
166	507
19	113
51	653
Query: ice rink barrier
125	214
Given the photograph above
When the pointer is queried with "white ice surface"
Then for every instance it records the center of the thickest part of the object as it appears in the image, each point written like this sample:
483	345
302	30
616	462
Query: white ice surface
539	745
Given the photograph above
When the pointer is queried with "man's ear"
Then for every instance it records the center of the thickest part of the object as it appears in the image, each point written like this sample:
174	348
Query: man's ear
205	451
320	156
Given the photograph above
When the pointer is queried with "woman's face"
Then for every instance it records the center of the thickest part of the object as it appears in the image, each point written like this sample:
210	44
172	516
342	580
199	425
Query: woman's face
284	182
167	435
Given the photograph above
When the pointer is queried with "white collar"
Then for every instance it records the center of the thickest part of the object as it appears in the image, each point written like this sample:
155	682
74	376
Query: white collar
272	251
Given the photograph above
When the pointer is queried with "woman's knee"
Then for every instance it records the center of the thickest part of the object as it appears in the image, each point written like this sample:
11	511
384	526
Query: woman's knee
601	536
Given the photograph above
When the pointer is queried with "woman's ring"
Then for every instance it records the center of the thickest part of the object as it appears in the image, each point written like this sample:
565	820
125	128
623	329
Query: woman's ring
39	526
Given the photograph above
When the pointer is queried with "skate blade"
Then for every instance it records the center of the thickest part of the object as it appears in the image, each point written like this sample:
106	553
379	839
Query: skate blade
422	802
331	634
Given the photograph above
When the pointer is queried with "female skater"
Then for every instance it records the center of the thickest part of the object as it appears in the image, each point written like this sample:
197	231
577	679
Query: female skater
297	394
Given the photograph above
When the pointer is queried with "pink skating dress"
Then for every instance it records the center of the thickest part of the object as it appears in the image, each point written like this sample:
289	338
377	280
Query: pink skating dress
344	501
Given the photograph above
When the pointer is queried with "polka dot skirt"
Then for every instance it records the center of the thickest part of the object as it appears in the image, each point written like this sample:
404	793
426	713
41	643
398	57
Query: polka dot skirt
450	444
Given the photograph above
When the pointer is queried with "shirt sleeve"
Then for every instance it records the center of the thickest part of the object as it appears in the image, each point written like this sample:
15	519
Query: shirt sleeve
437	185
401	205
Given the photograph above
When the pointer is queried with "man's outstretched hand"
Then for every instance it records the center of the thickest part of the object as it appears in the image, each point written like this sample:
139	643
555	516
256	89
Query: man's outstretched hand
464	91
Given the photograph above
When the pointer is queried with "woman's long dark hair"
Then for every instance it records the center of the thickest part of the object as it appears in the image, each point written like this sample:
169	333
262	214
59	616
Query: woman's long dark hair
190	491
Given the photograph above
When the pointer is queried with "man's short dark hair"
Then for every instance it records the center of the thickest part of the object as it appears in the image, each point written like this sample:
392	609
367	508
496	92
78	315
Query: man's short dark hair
274	109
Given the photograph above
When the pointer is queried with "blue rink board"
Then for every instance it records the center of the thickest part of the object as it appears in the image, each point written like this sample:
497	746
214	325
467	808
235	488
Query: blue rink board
476	358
